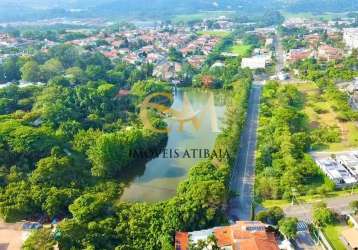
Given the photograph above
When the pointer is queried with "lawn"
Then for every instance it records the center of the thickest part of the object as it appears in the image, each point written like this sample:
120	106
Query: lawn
332	233
309	198
324	16
218	33
314	101
241	49
201	15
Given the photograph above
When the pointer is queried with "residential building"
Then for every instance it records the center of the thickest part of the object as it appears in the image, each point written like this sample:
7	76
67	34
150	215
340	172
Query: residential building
168	71
350	162
312	39
255	62
335	171
350	37
243	235
299	54
329	53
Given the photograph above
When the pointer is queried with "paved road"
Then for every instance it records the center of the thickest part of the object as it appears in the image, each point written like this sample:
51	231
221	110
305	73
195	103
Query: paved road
304	211
279	54
242	181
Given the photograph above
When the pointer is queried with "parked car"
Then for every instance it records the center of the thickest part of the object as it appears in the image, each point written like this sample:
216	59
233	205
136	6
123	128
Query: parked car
31	226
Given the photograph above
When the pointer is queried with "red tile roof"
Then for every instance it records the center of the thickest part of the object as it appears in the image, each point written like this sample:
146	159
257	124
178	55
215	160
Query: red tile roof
181	241
244	235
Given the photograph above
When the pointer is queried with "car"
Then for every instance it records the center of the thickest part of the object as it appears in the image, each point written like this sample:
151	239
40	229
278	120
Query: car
31	226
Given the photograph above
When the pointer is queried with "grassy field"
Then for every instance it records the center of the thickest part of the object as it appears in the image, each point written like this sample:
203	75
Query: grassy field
309	198
201	15
241	49
332	234
324	16
314	102
218	33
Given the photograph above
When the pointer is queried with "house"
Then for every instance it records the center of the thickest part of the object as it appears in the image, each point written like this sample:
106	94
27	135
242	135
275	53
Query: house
110	54
335	171
352	90
196	61
168	71
350	37
218	64
329	53
268	42
312	39
350	162
243	235
298	54
255	62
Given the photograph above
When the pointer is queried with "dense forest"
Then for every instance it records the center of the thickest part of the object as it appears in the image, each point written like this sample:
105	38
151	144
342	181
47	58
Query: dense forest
285	136
67	142
284	140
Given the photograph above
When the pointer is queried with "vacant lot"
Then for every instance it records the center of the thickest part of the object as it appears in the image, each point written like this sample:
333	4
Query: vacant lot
218	33
201	15
242	50
320	113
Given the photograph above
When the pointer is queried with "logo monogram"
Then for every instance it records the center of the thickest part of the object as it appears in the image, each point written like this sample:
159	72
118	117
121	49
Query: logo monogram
187	114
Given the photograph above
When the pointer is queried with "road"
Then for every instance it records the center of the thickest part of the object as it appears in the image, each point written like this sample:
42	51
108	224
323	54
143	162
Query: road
242	180
279	54
304	211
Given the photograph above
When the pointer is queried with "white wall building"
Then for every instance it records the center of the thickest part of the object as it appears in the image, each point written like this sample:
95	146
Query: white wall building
350	37
255	62
335	171
350	162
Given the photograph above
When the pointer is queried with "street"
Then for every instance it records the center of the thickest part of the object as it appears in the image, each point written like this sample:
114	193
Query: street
304	211
242	180
279	54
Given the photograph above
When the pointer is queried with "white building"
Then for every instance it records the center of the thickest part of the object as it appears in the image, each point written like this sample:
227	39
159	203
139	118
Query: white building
335	171
350	162
350	37
255	62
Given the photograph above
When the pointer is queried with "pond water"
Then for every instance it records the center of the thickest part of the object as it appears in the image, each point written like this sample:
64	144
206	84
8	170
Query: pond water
158	179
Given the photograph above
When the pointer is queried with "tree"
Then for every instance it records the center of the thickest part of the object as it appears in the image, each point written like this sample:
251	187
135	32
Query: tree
89	207
51	68
55	172
69	129
354	206
174	55
31	143
323	216
67	54
39	240
30	72
58	200
16	202
288	227
272	18
272	215
11	69
75	75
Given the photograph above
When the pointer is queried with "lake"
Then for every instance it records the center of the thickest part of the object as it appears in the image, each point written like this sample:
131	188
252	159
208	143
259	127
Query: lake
158	179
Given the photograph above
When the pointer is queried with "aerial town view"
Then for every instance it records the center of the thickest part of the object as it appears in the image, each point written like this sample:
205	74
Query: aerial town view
178	125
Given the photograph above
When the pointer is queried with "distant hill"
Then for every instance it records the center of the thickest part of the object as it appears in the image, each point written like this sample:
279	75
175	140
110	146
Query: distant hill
38	9
322	5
